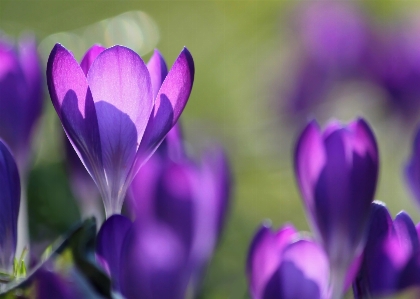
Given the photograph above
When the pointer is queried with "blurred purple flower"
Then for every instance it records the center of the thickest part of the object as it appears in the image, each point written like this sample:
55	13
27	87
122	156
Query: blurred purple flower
21	96
391	260
185	206
109	112
334	43
337	171
284	265
9	210
412	169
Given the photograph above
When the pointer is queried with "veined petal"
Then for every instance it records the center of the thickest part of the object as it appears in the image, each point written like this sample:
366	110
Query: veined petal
109	245
265	255
90	57
170	102
122	92
72	100
157	70
9	207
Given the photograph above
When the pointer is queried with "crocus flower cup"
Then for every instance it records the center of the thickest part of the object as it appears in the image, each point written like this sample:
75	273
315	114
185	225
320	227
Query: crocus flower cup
337	171
283	264
109	112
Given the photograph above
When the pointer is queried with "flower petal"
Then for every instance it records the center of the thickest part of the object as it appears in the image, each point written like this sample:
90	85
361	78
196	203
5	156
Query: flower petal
109	245
9	207
122	92
265	255
74	105
302	273
170	102
157	70
90	57
153	263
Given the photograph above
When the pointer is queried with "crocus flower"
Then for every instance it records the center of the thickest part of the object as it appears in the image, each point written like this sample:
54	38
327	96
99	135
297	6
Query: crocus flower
337	171
108	111
412	169
391	261
282	264
9	211
170	195
21	96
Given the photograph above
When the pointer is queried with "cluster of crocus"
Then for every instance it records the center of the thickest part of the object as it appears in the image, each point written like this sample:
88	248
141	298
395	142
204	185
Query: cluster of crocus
339	44
116	111
177	209
356	242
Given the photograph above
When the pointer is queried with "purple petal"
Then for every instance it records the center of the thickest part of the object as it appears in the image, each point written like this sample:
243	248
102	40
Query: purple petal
50	285
153	263
302	273
90	57
157	70
264	256
109	245
74	105
122	92
9	210
170	102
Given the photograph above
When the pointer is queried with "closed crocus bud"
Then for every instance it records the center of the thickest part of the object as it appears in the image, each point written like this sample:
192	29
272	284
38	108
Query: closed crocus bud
189	198
111	114
9	207
283	265
391	256
21	96
337	171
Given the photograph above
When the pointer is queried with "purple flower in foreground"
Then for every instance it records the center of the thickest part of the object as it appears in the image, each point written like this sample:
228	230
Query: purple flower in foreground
9	207
109	113
284	265
184	205
21	96
391	259
337	171
412	169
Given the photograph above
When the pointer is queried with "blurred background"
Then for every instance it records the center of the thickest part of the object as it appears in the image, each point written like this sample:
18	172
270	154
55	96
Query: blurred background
263	69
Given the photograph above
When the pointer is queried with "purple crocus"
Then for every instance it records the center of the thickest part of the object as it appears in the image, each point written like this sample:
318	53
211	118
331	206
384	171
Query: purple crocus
412	169
337	171
21	96
9	211
184	205
391	261
282	264
108	111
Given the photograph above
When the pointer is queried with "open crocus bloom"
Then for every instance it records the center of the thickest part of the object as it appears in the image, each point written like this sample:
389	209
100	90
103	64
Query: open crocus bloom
283	265
109	111
9	207
391	256
337	172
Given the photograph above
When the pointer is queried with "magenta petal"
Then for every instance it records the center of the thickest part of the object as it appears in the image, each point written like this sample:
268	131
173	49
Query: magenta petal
170	102
157	70
74	105
90	57
109	245
265	255
122	92
9	207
